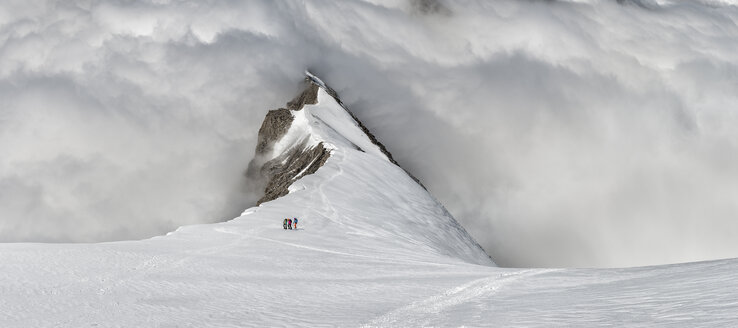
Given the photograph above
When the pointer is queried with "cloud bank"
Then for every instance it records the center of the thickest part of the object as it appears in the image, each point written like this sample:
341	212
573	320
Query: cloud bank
559	133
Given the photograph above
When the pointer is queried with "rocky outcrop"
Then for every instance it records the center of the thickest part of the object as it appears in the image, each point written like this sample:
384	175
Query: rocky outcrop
276	172
284	170
275	125
309	96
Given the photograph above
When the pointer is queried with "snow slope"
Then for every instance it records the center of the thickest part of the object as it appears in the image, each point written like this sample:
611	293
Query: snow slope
373	248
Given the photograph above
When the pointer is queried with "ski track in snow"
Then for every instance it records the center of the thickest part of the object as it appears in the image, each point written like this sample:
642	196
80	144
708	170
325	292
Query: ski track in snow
422	313
324	199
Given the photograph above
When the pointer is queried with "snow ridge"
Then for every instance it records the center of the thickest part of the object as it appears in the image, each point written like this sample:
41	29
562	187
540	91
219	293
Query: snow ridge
372	249
319	120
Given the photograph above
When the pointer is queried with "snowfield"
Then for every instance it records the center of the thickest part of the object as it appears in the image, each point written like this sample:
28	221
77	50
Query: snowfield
373	249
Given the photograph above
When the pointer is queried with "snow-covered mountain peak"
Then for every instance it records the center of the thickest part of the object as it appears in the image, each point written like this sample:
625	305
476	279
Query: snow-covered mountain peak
372	249
314	130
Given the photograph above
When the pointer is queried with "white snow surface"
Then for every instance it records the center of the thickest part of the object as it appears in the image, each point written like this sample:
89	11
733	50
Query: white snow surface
328	122
335	125
372	248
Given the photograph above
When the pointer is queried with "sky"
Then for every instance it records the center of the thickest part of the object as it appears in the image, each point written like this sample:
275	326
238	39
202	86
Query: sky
588	133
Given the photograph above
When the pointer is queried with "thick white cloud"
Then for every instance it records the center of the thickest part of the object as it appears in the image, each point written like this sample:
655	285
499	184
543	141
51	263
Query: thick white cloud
589	133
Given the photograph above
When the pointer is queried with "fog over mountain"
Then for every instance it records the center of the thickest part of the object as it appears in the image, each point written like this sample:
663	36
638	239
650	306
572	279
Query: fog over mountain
559	133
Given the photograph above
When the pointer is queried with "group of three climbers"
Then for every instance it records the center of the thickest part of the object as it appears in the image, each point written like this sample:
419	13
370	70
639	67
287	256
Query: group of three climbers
287	223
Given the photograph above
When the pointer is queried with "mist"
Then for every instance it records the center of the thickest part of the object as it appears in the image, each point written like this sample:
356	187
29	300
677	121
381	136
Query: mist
559	133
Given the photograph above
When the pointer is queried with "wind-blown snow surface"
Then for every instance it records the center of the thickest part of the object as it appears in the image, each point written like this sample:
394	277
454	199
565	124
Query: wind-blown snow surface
373	248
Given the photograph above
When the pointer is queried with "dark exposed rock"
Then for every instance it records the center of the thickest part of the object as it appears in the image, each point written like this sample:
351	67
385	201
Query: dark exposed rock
275	125
300	161
309	96
277	173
